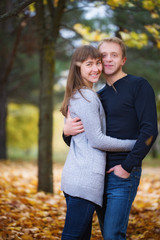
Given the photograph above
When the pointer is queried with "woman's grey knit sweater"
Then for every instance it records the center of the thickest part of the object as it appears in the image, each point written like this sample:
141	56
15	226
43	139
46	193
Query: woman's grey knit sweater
84	170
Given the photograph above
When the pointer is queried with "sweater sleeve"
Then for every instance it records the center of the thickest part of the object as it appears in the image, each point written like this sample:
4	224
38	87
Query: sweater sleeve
89	113
145	106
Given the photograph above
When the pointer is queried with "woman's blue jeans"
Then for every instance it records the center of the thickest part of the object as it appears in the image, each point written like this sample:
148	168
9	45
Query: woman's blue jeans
78	223
119	196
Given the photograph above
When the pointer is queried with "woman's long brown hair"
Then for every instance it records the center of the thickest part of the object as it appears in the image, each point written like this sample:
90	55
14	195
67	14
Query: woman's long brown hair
74	80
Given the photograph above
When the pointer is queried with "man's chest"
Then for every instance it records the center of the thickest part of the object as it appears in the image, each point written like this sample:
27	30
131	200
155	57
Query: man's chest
117	103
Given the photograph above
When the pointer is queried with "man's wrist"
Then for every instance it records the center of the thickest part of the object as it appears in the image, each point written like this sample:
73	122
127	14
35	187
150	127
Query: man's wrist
126	167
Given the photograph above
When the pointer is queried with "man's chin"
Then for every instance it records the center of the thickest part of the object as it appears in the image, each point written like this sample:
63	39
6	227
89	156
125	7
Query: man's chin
107	74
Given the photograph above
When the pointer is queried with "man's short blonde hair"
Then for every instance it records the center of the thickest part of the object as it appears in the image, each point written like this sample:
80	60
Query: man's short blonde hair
115	40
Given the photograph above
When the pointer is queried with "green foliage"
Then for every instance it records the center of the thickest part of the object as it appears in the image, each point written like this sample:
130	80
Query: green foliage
138	18
60	148
22	126
145	64
24	84
22	133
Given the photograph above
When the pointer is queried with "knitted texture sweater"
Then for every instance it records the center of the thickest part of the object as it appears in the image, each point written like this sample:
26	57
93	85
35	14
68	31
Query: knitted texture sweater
84	170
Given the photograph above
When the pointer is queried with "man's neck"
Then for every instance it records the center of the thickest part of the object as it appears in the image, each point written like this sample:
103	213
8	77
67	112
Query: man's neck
111	79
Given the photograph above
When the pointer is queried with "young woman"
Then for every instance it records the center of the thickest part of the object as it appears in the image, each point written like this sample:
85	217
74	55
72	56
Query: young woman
84	170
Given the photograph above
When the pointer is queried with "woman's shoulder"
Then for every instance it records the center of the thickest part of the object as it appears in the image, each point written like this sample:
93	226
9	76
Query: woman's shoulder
86	94
83	101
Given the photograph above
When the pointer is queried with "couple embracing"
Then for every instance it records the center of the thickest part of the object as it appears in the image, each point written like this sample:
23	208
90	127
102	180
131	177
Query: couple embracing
109	134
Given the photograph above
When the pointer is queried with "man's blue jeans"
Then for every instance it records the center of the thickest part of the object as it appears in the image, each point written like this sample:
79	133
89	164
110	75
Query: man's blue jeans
119	196
78	223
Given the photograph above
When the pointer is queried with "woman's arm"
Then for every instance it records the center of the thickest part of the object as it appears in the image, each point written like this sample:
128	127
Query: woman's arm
88	112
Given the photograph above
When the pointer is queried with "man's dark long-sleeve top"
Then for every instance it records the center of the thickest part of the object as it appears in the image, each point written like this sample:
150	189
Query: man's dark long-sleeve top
130	109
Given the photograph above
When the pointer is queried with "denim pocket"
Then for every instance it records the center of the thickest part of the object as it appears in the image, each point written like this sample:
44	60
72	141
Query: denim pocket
125	179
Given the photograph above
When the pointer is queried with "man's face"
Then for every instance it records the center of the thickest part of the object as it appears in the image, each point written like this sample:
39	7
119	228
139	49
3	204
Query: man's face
111	58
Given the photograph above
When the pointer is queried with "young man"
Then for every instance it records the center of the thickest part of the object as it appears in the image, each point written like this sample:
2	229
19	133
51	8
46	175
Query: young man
129	104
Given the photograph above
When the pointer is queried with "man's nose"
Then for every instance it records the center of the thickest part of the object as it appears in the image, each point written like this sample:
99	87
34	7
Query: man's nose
108	58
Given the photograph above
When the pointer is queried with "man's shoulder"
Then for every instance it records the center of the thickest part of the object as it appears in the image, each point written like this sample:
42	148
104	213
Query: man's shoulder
135	78
139	84
138	80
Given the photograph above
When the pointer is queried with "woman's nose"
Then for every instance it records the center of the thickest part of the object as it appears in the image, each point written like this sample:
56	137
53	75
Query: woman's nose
95	68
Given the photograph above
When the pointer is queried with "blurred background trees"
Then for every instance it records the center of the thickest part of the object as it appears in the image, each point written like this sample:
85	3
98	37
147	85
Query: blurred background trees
37	41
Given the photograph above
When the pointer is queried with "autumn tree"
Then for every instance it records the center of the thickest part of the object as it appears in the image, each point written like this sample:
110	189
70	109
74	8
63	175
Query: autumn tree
10	36
48	28
48	37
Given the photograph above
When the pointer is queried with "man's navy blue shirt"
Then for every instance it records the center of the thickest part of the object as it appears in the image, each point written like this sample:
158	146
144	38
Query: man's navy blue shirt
130	109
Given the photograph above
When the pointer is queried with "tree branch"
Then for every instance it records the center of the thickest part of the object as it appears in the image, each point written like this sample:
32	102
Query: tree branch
51	8
15	11
12	57
58	16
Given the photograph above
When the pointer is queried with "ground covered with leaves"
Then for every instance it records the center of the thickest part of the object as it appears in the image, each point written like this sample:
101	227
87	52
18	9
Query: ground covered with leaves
26	214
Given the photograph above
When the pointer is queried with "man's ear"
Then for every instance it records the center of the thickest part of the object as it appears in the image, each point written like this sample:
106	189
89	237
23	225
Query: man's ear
124	61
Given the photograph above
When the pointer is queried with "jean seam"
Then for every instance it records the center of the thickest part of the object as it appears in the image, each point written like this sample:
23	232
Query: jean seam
132	189
127	209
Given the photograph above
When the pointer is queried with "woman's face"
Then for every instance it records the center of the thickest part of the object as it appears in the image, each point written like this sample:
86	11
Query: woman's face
91	70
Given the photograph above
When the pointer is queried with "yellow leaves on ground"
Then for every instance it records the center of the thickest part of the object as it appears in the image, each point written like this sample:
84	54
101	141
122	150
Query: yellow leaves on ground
145	214
27	215
24	213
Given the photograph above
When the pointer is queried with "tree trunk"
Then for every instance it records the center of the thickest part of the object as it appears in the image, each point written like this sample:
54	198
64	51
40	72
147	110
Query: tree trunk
5	29
3	114
48	34
45	175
